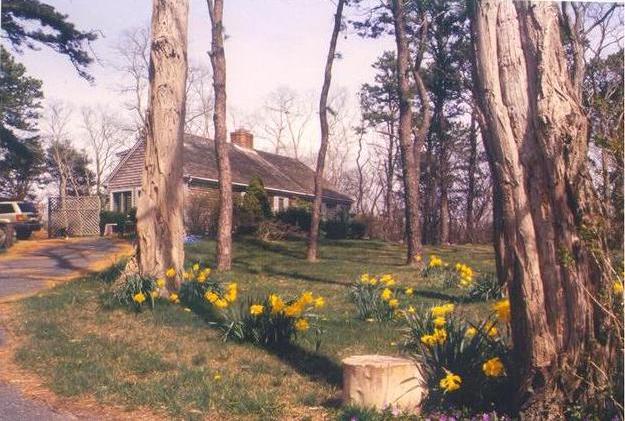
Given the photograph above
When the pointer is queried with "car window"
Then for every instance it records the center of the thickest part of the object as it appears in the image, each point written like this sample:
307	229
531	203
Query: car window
27	207
6	208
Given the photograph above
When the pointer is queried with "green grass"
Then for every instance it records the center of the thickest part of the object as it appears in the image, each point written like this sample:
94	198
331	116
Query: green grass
169	361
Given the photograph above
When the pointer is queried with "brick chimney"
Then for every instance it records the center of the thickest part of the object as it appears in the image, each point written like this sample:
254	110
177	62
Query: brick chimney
242	138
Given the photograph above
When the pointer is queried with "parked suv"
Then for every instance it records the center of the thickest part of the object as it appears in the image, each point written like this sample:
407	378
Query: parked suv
22	215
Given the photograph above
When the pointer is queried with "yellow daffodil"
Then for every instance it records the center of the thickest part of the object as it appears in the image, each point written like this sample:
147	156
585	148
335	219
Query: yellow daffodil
435	261
493	367
320	302
301	325
386	294
160	283
138	298
201	278
196	267
409	291
170	273
442	311
439	322
471	332
173	297
293	310
617	287
211	297
187	275
393	303
411	310
256	309
307	298
502	308
276	303
364	278
387	280
221	303
429	340
154	294
440	335
217	377
418	258
450	382
491	330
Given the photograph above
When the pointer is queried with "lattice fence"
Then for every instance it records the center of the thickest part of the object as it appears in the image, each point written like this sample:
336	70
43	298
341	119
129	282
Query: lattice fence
73	216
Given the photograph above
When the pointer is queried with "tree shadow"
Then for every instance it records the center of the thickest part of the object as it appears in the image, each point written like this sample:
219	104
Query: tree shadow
313	365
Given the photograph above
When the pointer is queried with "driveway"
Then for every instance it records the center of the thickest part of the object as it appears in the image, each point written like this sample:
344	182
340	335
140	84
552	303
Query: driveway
31	266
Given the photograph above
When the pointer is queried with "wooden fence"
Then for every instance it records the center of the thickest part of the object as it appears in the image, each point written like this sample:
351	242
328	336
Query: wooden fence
73	216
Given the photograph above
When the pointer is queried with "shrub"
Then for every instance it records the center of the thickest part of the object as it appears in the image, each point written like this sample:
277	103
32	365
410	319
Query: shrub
201	213
272	231
357	229
110	217
486	287
336	229
296	216
464	365
271	321
254	207
374	298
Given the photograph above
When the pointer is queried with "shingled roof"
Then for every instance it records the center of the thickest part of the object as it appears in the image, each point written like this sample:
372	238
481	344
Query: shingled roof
279	173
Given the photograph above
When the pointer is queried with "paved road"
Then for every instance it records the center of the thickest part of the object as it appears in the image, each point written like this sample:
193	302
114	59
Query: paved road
31	267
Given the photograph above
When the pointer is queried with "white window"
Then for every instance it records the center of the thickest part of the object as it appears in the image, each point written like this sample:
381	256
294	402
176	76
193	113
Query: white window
121	201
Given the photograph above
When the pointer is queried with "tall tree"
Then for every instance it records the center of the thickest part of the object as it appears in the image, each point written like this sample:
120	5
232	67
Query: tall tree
160	228
554	259
218	61
313	235
410	154
21	152
31	22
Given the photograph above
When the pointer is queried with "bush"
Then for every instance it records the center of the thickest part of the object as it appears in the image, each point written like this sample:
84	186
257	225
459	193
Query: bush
110	217
296	216
254	207
336	229
374	298
272	231
270	322
464	365
201	214
357	229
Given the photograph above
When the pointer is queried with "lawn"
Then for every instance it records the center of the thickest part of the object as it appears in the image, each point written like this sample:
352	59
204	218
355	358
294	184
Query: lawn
171	363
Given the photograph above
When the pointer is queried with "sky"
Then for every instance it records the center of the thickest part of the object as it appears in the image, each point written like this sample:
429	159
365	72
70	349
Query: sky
270	43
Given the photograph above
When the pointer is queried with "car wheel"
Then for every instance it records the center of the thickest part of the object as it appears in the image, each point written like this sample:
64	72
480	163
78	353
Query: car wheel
3	236
23	235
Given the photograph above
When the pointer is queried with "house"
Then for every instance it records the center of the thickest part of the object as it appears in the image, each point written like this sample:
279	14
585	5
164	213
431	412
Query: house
286	180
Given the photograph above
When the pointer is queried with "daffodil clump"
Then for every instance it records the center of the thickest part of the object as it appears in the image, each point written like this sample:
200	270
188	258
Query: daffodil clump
196	282
272	321
464	364
437	270
136	292
465	275
378	298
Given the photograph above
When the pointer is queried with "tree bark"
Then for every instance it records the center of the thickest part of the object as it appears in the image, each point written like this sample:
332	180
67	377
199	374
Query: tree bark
471	170
313	235
553	249
218	62
409	151
160	228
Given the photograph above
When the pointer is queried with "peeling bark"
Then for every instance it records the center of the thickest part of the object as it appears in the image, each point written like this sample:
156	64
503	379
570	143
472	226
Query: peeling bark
550	227
160	229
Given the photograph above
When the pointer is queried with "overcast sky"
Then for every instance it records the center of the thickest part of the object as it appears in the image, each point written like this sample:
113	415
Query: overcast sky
270	43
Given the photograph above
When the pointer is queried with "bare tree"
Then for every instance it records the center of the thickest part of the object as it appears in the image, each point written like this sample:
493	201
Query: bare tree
313	235
553	250
55	128
160	228
218	61
285	119
105	139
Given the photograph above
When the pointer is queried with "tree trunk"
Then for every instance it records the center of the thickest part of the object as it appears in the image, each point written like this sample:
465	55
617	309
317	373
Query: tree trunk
160	228
472	169
553	247
408	151
313	235
218	62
